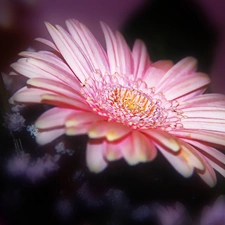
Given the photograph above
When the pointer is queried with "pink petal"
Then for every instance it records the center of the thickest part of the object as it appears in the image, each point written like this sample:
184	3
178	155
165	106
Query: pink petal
46	136
94	155
164	138
28	70
63	101
201	135
47	42
204	117
164	65
28	95
217	167
55	87
211	99
113	150
208	151
156	71
185	160
182	68
129	151
191	155
205	112
140	58
54	117
112	131
208	176
186	85
78	130
204	124
82	118
70	52
214	157
87	42
179	164
192	94
152	76
137	148
55	67
119	54
125	57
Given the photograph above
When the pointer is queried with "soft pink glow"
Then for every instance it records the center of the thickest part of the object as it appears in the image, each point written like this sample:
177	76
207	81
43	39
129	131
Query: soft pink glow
215	214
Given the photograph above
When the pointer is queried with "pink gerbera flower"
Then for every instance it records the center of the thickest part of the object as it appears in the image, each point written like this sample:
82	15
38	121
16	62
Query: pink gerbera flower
126	104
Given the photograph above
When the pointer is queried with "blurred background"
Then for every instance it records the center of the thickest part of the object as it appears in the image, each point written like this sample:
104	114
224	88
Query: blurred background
51	185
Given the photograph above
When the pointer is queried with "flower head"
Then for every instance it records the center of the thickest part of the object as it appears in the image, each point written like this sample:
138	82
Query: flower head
126	104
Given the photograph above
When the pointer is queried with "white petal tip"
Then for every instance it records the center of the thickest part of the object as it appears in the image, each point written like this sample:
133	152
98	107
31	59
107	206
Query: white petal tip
93	134
11	100
70	131
96	168
111	136
12	73
174	146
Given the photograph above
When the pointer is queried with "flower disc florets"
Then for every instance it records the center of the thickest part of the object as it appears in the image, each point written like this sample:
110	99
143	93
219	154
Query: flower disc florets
130	102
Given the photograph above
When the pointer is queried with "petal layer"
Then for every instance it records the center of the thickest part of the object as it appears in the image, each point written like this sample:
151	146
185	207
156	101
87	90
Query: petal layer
94	155
112	131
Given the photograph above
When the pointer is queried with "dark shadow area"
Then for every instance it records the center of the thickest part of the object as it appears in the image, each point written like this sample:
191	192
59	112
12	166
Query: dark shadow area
173	29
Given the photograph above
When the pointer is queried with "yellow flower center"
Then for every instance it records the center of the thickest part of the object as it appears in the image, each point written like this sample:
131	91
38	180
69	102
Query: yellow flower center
131	100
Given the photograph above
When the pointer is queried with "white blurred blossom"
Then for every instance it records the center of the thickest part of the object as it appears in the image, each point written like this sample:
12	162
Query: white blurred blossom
70	152
14	121
41	166
176	215
18	164
17	108
32	130
214	215
61	149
